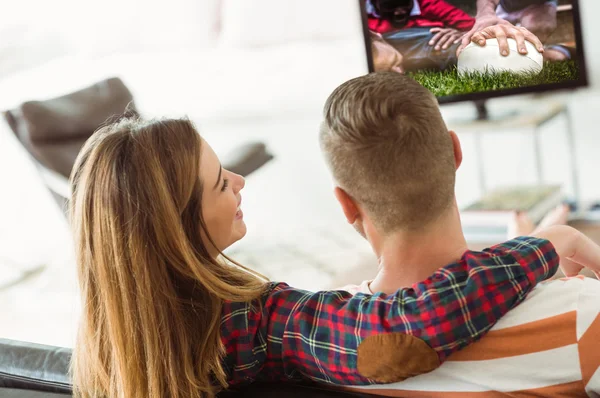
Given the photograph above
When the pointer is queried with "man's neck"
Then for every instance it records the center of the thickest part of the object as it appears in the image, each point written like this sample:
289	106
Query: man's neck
406	258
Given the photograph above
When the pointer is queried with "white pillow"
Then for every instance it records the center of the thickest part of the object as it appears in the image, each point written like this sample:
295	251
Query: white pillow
253	23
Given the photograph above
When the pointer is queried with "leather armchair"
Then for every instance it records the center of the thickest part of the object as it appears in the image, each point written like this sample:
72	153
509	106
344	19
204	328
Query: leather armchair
29	370
53	132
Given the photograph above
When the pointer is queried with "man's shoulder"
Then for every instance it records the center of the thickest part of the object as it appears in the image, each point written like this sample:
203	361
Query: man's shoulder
553	317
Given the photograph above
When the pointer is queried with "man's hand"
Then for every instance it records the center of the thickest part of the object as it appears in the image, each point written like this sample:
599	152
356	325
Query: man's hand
586	255
501	31
481	22
576	251
444	38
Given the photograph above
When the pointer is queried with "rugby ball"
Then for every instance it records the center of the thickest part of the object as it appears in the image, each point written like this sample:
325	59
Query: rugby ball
487	59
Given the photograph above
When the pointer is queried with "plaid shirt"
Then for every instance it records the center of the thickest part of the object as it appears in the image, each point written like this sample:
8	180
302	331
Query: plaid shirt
296	333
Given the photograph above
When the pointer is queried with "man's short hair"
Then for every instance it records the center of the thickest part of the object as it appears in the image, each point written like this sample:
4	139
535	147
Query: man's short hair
388	147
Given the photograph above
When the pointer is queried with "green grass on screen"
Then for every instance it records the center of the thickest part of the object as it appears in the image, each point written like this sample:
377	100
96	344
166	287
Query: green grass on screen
449	82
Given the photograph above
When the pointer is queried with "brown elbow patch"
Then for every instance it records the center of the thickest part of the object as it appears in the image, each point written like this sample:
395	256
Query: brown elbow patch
393	357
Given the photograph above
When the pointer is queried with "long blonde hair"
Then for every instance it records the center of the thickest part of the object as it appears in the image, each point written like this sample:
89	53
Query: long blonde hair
151	294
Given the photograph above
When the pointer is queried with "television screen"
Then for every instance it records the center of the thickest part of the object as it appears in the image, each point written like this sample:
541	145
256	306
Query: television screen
424	39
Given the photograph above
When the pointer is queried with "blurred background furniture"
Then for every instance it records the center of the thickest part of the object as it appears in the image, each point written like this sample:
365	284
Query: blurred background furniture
53	132
530	118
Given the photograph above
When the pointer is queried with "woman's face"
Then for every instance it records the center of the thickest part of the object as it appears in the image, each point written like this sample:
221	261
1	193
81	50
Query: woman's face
221	202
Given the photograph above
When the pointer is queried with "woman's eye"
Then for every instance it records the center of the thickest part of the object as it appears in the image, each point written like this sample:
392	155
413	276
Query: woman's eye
225	184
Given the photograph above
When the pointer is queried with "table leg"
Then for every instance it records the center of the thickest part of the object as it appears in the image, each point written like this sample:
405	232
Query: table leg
538	156
480	165
573	161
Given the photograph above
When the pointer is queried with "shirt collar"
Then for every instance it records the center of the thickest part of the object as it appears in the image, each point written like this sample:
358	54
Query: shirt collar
416	10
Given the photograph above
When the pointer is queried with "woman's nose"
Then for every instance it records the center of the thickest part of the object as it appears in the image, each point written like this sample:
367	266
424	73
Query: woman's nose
240	182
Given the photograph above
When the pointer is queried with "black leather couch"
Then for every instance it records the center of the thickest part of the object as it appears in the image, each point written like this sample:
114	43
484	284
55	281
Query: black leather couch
29	370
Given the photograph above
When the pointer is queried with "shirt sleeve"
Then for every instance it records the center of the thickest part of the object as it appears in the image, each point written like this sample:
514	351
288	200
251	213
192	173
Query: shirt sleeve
454	17
537	256
317	335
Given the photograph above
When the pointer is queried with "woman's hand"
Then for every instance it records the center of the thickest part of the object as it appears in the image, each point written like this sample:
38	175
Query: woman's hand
576	251
444	38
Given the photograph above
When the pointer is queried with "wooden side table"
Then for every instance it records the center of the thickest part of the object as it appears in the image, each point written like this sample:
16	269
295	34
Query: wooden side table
531	117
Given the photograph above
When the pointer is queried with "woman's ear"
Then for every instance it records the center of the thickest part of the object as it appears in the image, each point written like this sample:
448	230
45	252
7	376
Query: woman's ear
348	205
457	149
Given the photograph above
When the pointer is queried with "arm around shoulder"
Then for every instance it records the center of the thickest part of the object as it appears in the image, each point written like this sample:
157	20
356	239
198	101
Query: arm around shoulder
576	251
341	339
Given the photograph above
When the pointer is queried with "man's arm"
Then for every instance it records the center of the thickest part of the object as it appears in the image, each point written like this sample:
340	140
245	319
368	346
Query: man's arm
576	250
455	21
341	339
487	8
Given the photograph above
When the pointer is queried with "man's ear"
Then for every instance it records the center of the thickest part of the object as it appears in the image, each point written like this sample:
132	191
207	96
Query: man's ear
457	149
348	205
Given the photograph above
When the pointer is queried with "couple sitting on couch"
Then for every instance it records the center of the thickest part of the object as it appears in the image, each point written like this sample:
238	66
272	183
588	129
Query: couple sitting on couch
166	314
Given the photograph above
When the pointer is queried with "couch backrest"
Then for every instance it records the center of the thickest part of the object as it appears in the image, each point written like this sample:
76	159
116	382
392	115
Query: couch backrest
33	366
37	367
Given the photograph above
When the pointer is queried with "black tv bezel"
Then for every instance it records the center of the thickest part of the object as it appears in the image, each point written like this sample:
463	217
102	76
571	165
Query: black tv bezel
484	95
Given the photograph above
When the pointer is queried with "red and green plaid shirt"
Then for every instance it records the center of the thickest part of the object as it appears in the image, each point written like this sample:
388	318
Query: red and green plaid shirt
300	334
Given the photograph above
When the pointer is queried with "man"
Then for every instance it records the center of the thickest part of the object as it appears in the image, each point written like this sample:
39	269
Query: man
385	57
394	164
538	16
423	31
426	34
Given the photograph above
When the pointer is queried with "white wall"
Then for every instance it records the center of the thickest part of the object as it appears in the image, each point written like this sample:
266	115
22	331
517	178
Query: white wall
37	31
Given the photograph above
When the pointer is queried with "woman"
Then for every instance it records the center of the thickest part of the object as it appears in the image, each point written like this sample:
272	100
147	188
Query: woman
166	314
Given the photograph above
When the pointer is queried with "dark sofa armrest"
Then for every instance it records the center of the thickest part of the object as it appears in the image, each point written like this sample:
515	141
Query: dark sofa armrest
34	366
246	158
43	368
290	390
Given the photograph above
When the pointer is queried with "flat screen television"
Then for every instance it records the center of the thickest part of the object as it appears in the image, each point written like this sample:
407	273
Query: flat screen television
398	36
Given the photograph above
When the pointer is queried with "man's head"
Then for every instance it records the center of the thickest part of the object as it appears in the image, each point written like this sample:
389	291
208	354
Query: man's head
390	153
385	57
395	11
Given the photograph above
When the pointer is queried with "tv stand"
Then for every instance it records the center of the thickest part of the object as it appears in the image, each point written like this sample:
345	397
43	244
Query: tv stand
482	111
531	116
483	114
